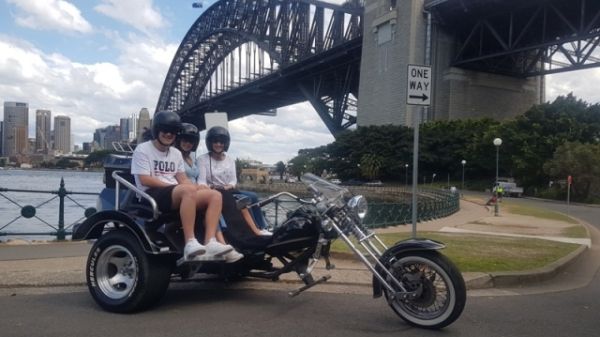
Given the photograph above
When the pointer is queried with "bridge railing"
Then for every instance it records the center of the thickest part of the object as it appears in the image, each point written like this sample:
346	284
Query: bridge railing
59	229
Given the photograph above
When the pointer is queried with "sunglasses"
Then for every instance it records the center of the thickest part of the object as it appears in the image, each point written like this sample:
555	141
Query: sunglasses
173	131
188	140
220	140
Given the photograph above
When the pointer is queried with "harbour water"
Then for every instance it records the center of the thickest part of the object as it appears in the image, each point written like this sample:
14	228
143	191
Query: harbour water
47	210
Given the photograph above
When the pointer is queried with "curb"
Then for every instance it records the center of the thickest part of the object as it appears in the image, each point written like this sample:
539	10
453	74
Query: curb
522	278
473	280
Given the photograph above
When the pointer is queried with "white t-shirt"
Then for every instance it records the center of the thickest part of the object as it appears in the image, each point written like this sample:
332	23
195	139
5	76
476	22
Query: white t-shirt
216	172
149	161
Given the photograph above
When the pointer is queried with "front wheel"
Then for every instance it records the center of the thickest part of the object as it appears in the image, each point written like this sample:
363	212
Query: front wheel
121	277
438	292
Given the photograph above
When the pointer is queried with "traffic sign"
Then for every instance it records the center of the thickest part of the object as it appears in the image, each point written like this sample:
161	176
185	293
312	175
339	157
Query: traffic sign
418	89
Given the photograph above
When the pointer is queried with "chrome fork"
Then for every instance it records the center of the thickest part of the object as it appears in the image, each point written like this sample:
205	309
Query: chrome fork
374	248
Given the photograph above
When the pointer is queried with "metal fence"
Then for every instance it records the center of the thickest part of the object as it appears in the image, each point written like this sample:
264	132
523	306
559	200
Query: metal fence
432	204
60	229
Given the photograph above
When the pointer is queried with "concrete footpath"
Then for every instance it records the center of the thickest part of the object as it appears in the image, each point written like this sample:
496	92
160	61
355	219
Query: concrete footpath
53	264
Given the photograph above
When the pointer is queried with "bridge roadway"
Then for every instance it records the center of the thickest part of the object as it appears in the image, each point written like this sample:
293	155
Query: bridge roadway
564	306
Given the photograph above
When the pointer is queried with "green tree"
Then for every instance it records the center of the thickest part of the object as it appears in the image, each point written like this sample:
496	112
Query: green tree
96	158
370	165
579	161
280	168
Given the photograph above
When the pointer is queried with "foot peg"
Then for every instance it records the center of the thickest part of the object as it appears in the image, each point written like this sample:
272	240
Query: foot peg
308	286
200	259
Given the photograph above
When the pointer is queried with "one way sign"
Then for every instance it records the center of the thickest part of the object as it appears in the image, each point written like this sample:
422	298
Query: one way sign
418	90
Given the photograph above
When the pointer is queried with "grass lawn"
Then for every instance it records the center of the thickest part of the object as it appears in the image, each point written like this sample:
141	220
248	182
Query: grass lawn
542	213
477	253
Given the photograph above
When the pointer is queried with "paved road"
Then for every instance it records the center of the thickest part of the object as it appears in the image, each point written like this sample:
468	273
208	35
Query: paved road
193	309
188	310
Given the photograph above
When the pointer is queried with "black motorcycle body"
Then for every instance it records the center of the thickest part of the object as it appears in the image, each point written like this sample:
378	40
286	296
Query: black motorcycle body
138	250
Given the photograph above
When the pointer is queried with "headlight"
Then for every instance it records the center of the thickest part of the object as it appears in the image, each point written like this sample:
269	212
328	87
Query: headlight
359	205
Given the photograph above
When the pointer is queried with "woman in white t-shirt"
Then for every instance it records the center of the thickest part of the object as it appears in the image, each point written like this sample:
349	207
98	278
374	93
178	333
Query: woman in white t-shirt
217	169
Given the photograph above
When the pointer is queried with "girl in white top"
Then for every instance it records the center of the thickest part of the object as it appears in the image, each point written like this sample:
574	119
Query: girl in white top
187	142
217	170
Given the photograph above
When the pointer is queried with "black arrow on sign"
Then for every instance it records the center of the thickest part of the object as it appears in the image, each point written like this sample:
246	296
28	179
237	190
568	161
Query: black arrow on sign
423	97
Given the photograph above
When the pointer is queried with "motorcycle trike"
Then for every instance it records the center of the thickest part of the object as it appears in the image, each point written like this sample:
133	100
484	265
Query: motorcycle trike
137	250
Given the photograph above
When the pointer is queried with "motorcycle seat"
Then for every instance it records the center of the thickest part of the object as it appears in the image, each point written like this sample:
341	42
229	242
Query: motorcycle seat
141	208
236	231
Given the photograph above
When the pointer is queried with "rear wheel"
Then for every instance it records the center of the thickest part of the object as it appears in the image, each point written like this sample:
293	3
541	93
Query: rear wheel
121	277
438	287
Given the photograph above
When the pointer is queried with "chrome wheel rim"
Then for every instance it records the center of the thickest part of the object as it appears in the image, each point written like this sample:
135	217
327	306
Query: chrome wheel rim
116	272
435	294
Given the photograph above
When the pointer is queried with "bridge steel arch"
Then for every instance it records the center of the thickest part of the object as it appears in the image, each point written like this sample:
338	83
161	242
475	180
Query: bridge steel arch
313	53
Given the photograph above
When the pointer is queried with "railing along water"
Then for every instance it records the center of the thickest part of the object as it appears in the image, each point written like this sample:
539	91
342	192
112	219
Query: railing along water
433	203
29	211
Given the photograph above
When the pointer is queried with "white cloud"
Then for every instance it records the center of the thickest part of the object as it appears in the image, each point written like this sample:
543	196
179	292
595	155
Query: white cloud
273	139
57	15
139	14
93	95
581	83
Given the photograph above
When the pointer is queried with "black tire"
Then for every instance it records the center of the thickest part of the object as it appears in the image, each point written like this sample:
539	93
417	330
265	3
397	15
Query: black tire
121	277
441	289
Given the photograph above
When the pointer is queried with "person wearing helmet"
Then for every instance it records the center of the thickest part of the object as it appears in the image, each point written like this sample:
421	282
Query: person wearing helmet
217	170
158	169
187	142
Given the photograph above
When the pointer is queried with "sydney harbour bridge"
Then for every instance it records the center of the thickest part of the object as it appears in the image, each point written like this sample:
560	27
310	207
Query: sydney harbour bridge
248	56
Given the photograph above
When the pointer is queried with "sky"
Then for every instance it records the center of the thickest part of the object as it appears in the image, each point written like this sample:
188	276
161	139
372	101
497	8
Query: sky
97	61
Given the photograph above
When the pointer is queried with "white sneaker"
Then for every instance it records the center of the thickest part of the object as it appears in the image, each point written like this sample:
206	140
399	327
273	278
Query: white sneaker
233	256
214	248
265	232
193	248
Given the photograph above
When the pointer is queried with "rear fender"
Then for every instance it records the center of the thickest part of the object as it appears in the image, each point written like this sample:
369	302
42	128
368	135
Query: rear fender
398	249
93	227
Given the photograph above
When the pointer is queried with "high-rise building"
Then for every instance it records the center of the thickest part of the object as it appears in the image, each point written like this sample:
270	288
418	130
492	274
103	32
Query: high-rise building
124	124
144	122
14	131
62	134
133	122
42	131
1	137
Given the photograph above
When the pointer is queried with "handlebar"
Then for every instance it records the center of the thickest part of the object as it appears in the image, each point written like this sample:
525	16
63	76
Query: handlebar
276	196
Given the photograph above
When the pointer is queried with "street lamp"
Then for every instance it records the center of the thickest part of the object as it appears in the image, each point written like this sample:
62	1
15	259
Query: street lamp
463	162
497	143
405	174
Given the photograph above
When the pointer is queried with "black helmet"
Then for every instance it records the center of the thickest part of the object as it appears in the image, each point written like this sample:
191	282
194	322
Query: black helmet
190	133
217	133
165	121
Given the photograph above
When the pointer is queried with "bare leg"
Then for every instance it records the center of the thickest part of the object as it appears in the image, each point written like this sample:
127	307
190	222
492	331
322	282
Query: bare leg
184	198
250	221
211	202
221	238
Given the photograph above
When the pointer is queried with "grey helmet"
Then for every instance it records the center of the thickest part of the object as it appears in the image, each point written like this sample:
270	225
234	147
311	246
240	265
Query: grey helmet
190	133
165	121
217	132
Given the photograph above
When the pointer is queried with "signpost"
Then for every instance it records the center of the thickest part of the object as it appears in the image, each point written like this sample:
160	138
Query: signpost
569	182
418	92
418	89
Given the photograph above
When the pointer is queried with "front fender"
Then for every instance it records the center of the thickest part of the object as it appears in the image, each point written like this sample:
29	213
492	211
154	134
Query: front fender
93	227
400	248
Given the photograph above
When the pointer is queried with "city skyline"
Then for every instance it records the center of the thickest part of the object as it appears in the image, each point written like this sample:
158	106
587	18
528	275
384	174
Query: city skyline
98	61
